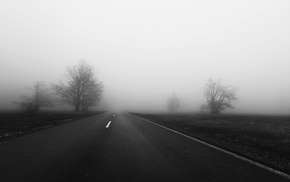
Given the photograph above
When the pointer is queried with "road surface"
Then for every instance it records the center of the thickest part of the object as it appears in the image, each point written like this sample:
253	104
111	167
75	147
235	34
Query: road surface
125	149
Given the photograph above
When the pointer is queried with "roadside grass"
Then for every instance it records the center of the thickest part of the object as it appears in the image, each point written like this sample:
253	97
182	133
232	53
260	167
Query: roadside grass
13	124
265	139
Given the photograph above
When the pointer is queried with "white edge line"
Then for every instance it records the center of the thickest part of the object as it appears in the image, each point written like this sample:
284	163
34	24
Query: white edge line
222	150
108	125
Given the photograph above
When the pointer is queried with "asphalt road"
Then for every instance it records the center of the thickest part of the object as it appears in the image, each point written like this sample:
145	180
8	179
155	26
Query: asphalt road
127	149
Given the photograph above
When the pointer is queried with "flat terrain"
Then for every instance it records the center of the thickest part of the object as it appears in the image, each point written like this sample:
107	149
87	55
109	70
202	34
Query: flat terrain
123	147
13	124
265	139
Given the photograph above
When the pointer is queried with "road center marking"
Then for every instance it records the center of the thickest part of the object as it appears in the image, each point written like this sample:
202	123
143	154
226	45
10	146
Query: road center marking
108	124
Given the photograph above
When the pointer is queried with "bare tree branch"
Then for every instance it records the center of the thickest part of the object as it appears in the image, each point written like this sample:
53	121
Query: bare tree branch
219	97
41	97
173	103
82	89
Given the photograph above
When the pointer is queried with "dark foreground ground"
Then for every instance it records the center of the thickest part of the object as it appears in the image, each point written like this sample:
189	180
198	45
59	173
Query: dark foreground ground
265	139
128	149
14	124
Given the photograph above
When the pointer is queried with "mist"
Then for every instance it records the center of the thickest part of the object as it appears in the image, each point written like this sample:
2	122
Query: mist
145	51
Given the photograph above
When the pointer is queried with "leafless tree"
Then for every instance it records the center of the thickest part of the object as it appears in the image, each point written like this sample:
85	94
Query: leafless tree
173	103
41	97
218	96
82	89
91	96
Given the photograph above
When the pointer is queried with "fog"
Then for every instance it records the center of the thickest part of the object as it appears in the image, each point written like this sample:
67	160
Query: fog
145	51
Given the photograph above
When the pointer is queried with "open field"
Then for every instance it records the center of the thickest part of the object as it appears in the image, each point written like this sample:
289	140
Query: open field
13	124
265	139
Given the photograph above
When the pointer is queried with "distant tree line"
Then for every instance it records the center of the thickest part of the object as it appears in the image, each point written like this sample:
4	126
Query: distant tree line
82	90
41	97
218	98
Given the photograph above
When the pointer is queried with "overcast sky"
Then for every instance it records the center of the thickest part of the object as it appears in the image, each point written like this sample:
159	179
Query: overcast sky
145	50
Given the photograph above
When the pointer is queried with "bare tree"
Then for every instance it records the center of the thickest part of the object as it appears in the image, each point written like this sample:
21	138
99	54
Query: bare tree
41	97
173	103
82	89
92	95
218	96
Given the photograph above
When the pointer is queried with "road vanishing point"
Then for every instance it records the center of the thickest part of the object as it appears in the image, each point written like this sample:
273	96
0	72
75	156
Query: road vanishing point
119	147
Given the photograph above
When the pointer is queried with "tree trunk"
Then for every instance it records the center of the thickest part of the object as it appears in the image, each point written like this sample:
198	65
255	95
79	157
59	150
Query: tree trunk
215	111
77	108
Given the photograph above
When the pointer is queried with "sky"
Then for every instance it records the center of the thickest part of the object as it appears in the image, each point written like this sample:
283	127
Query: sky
143	51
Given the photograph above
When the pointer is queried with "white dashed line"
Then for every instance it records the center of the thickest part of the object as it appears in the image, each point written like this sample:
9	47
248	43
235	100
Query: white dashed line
108	124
